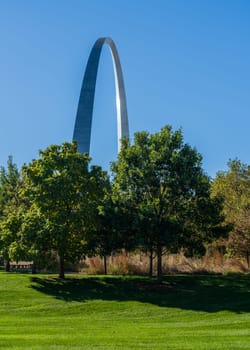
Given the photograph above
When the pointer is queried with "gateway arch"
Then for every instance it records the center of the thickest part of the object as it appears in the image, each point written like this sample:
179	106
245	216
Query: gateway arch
82	129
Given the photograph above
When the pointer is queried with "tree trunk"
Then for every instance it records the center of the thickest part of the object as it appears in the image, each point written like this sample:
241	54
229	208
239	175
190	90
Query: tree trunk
151	263
248	259
159	263
61	267
105	264
33	268
7	265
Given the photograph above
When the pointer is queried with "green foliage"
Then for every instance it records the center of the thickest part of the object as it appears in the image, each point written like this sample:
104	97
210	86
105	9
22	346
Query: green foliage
67	194
35	236
10	184
233	186
165	193
10	211
159	201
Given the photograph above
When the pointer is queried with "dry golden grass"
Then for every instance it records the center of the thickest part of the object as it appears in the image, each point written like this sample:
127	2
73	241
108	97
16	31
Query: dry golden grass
138	264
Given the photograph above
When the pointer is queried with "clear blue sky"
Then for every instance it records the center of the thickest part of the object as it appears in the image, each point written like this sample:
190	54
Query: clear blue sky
185	63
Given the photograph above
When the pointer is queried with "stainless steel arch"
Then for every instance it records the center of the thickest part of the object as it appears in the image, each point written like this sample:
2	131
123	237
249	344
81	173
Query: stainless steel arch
82	130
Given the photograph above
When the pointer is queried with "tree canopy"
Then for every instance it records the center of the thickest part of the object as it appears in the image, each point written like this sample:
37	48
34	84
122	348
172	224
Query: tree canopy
10	204
161	179
67	194
158	201
233	186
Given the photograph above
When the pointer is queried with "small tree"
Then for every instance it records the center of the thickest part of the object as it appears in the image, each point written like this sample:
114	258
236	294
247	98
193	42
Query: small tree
233	186
10	215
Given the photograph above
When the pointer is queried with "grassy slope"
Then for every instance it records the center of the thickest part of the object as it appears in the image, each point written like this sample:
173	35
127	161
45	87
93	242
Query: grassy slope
187	312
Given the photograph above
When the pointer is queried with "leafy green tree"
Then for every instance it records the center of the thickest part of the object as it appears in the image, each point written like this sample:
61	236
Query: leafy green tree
9	185
102	240
16	240
111	234
9	229
34	239
162	181
234	186
67	194
10	201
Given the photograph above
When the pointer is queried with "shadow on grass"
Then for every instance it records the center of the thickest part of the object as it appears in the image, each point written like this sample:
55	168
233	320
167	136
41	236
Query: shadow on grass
210	293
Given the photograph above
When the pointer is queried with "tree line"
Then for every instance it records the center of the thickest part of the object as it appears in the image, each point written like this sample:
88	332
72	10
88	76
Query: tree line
157	199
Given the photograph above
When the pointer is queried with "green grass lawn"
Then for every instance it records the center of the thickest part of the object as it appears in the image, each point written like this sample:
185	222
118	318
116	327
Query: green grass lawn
83	312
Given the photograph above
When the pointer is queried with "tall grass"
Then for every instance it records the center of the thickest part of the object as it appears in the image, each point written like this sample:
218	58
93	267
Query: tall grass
138	264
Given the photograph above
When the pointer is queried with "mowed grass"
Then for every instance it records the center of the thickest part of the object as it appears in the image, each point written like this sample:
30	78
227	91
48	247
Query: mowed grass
96	312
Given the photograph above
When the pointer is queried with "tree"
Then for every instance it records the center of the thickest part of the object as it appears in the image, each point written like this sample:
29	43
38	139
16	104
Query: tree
67	194
108	235
10	201
9	185
233	186
102	240
162	181
34	239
